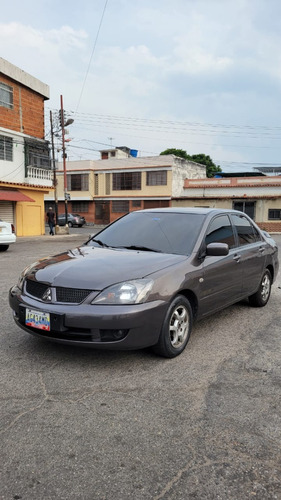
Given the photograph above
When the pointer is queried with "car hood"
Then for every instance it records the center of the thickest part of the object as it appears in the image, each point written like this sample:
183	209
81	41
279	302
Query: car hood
96	268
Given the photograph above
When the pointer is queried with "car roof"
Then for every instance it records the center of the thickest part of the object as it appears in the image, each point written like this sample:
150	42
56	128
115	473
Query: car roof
191	210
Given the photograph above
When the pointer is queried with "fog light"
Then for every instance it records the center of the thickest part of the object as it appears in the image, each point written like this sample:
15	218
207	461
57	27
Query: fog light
113	335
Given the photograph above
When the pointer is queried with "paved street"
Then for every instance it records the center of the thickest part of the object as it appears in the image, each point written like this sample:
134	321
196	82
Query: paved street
81	424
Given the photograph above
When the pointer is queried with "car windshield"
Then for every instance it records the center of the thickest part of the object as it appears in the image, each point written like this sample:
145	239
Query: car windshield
174	233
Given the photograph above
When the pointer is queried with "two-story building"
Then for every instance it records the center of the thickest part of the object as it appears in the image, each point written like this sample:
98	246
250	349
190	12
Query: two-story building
121	182
25	168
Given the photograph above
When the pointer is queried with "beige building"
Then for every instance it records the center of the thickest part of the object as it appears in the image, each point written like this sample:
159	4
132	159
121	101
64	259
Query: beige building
258	196
105	189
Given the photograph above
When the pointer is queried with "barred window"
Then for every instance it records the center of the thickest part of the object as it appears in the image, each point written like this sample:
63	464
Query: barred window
158	178
126	181
274	214
6	148
245	206
37	154
136	203
80	206
78	182
120	206
6	95
98	209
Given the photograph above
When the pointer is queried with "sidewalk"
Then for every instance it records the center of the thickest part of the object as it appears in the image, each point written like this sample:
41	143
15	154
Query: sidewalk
86	232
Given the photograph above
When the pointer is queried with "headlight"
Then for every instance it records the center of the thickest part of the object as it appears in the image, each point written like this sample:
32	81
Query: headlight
20	281
24	273
128	292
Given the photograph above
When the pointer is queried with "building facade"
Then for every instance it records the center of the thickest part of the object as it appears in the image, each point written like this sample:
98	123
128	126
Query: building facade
105	189
25	168
259	197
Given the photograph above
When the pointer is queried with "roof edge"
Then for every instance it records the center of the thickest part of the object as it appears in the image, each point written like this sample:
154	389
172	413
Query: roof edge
20	76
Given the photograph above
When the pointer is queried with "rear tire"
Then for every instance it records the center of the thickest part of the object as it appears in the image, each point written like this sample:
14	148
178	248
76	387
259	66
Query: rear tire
3	248
176	328
261	297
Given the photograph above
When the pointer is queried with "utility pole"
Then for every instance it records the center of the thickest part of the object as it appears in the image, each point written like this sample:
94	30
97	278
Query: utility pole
64	163
54	170
63	125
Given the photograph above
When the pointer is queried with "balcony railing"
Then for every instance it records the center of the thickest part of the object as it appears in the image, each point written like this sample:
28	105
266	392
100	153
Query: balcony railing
39	176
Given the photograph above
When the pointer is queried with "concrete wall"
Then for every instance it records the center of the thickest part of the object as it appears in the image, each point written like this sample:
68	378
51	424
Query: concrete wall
13	171
183	169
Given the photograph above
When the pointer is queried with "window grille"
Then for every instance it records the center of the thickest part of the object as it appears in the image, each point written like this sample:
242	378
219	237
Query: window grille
126	181
80	206
120	206
6	148
78	182
274	214
6	95
158	178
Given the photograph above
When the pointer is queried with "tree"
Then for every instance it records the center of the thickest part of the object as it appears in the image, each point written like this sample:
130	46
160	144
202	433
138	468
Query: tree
177	152
211	167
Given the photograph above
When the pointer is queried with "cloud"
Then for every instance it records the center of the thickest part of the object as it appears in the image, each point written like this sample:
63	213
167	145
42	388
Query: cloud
40	50
207	61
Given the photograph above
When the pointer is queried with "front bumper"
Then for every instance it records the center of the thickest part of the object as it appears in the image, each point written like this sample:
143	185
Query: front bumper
99	326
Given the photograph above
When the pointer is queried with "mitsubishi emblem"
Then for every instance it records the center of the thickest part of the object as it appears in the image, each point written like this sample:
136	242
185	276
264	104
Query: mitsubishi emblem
47	295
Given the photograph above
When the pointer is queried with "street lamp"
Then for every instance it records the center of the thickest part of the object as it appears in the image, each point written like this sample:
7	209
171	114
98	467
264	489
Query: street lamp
63	125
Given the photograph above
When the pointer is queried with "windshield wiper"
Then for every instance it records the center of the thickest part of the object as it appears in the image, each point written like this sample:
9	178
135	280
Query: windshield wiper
101	243
146	249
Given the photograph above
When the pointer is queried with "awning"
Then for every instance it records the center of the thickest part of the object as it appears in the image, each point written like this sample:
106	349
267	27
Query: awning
13	195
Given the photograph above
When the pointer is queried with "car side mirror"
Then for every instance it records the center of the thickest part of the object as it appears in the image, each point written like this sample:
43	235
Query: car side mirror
217	249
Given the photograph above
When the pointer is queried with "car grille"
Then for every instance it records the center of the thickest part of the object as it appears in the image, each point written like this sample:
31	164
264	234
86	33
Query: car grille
72	295
36	289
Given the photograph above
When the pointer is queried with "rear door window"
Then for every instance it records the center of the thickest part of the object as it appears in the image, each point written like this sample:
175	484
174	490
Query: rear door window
246	232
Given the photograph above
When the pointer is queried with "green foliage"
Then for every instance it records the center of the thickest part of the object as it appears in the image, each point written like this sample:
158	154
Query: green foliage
211	167
177	152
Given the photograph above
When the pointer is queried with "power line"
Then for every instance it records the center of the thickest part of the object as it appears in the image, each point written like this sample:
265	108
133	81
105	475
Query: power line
93	117
94	48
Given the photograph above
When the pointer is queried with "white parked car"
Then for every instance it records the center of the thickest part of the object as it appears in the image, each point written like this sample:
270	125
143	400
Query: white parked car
7	235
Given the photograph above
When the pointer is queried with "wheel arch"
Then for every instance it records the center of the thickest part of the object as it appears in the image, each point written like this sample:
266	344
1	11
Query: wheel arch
191	297
271	270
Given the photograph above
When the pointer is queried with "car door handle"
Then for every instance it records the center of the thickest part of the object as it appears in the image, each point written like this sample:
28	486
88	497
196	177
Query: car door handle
237	257
261	249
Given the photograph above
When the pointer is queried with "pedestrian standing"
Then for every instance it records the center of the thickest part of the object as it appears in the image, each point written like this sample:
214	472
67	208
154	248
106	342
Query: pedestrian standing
51	220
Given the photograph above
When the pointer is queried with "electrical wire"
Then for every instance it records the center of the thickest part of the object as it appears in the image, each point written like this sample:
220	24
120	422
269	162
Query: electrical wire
94	48
90	121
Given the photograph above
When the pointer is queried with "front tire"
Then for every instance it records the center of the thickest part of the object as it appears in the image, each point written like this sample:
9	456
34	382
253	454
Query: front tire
70	224
176	328
261	297
3	248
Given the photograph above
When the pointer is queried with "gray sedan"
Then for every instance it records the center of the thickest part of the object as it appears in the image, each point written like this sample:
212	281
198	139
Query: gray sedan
143	280
72	220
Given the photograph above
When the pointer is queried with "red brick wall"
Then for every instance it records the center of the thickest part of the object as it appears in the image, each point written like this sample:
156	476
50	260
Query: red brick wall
270	227
27	115
89	216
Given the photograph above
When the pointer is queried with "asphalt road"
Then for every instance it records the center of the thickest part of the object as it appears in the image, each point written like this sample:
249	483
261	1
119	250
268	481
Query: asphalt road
85	424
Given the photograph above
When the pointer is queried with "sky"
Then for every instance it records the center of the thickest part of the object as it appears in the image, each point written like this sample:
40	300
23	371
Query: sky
199	75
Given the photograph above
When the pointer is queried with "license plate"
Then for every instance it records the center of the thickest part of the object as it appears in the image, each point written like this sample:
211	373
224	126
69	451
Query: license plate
37	319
